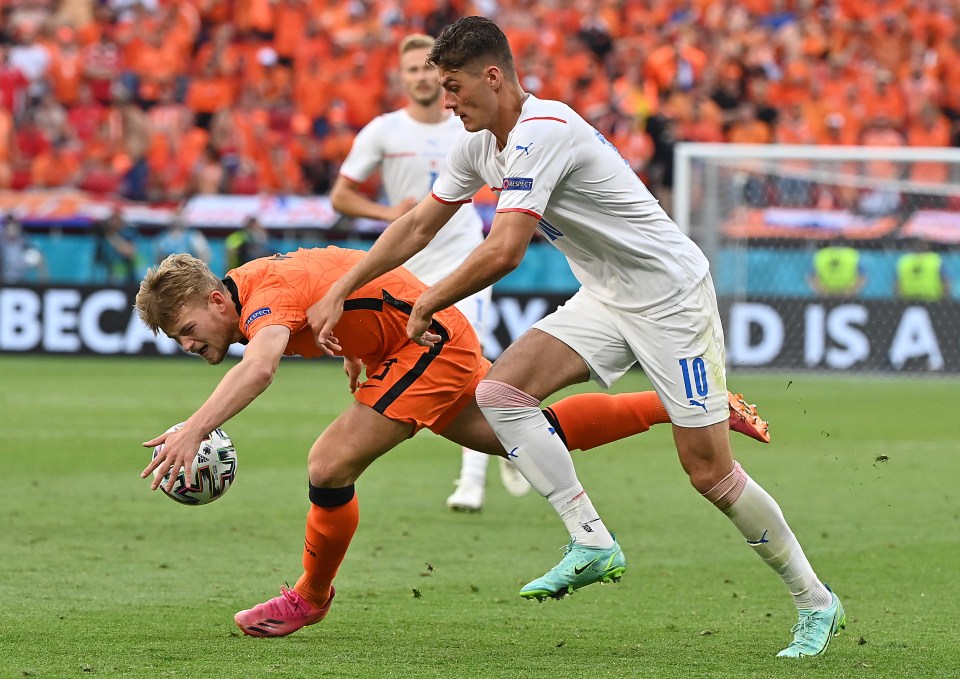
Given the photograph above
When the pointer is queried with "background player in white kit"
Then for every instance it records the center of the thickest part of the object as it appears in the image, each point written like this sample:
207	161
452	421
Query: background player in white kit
646	296
409	146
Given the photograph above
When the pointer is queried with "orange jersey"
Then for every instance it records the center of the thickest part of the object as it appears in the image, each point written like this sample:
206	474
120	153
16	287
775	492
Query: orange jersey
405	381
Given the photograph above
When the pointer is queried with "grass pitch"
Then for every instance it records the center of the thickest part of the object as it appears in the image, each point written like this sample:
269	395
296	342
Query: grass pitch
101	576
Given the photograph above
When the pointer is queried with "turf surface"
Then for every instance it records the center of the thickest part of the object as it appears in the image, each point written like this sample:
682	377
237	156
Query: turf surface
101	576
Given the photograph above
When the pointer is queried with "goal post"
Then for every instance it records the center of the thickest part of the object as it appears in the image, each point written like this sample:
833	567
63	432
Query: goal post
829	257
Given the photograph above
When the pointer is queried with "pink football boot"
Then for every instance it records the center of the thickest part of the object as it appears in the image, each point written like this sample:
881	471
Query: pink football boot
281	615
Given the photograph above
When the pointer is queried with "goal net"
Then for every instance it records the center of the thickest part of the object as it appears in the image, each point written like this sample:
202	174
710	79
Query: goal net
829	257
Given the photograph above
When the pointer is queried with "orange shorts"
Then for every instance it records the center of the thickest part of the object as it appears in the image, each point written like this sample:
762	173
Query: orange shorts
423	388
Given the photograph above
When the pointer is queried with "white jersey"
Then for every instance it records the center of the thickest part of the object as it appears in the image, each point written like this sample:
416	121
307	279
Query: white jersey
410	155
621	245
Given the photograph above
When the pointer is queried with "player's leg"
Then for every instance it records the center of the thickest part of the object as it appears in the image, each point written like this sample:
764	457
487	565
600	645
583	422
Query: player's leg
705	455
586	421
354	440
338	457
470	492
537	365
682	353
560	350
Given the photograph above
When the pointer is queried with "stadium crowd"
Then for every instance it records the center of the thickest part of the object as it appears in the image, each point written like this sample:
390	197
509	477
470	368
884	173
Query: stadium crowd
161	99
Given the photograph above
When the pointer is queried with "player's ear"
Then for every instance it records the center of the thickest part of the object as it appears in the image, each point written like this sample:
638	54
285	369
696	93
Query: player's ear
217	299
493	77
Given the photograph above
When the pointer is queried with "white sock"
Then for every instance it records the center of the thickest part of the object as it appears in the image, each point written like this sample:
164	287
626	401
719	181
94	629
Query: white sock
473	467
542	458
759	519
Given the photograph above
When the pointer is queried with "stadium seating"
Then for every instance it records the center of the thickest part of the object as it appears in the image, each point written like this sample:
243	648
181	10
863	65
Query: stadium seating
158	100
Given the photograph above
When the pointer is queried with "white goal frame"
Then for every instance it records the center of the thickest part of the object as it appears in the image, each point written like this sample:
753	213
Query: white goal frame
774	317
687	153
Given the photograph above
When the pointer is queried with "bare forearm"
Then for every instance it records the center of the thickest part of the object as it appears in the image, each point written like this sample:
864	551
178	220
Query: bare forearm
398	243
352	203
499	254
238	388
485	266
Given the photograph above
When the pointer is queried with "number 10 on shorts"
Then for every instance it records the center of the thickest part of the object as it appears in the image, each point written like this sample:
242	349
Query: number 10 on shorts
699	370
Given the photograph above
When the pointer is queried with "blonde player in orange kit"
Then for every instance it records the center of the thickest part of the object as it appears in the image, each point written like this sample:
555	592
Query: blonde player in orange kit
407	147
408	387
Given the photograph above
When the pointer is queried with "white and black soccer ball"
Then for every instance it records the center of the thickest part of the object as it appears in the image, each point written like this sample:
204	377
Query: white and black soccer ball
214	469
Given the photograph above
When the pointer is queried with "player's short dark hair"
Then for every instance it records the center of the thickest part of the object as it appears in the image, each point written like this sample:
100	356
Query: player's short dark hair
468	40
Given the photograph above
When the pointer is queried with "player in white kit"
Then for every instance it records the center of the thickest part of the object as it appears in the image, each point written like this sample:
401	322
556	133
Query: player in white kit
646	296
409	146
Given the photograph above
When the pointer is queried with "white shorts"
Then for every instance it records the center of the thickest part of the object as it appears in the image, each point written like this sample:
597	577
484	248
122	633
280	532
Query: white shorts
680	349
476	308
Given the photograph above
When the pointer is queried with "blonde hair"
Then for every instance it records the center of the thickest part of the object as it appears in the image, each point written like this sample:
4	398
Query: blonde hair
177	282
416	41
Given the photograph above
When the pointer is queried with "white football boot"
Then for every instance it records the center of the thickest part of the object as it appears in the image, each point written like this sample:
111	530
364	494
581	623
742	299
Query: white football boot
512	479
468	497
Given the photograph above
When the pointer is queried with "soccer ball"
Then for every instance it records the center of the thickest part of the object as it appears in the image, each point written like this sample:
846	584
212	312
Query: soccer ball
214	469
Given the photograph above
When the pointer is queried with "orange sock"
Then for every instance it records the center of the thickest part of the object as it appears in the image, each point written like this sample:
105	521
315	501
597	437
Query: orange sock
329	532
585	421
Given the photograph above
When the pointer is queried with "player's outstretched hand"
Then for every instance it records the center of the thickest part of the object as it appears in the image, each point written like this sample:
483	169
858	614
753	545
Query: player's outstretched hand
177	452
322	316
353	367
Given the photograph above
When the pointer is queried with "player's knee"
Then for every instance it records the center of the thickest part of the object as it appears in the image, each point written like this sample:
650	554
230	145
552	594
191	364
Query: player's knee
704	454
331	497
494	394
329	474
706	472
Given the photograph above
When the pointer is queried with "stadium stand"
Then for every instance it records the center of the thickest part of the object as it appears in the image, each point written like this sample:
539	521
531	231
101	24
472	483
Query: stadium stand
157	100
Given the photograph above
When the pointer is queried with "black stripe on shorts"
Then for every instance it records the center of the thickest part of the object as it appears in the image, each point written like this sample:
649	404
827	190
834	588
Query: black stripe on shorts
411	376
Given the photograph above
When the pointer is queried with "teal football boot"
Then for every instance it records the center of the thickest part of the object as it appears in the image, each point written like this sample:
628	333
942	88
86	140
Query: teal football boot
814	630
580	566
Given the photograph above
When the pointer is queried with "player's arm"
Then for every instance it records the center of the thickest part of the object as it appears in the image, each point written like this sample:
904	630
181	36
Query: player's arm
352	368
347	199
238	388
499	254
399	242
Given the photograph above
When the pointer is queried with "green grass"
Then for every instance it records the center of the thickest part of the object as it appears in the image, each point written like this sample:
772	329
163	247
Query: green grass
99	575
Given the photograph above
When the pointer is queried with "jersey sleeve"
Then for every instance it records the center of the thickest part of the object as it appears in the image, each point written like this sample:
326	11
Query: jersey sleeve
366	154
542	156
274	302
459	179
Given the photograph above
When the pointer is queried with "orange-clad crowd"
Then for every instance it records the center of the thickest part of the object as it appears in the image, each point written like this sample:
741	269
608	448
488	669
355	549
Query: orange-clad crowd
161	99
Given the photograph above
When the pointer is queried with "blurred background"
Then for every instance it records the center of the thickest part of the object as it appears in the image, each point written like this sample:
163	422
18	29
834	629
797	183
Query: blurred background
134	128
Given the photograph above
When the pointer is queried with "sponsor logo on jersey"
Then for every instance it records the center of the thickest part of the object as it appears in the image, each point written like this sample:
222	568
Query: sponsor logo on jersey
259	313
525	149
518	184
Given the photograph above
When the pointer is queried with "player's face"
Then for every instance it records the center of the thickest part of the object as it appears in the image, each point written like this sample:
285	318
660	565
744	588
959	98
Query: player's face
470	97
204	329
419	79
